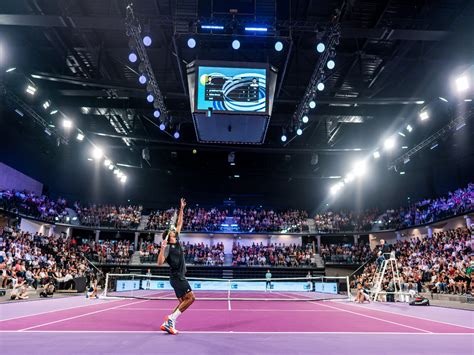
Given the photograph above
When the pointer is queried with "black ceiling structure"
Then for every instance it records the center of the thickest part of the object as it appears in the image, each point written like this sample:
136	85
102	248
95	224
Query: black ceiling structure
393	59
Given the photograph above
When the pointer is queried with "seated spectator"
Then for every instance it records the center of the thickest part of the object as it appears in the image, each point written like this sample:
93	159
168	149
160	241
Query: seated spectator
438	264
272	255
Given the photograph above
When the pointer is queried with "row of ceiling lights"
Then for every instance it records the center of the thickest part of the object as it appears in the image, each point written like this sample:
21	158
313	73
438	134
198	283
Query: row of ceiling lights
67	124
330	64
462	86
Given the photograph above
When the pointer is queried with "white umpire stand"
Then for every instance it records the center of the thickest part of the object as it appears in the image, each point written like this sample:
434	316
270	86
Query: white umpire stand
389	264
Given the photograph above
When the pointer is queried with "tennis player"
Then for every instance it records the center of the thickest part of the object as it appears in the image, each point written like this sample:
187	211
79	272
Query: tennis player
173	254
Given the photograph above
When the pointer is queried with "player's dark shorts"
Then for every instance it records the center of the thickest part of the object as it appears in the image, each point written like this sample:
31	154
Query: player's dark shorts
180	286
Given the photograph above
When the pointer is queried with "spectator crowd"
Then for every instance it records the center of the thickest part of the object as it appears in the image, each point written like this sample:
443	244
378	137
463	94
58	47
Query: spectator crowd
29	204
430	210
291	255
194	254
344	221
109	251
345	253
121	217
194	219
34	260
440	264
251	220
261	220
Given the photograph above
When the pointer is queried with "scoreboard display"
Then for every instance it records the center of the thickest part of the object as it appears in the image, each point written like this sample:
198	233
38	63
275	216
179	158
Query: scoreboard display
231	89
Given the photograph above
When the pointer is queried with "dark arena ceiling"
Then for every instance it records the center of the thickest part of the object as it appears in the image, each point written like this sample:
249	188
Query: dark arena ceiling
394	59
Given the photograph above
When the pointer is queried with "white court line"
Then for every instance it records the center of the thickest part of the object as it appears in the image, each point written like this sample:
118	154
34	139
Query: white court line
380	319
62	309
367	316
237	310
80	315
222	332
408	315
84	305
228	305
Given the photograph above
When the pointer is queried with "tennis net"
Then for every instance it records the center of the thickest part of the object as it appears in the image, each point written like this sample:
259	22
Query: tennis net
275	289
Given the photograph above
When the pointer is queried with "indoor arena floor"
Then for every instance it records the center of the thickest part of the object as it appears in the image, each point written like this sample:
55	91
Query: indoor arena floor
131	326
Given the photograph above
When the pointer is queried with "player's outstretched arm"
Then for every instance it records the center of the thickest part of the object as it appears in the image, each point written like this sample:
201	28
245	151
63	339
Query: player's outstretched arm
180	215
161	255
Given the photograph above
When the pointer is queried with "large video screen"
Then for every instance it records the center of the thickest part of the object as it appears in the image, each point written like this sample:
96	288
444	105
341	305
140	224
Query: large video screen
231	89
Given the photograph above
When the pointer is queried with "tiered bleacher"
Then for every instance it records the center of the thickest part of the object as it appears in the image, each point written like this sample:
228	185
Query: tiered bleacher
440	264
194	254
278	255
119	217
250	220
345	253
34	260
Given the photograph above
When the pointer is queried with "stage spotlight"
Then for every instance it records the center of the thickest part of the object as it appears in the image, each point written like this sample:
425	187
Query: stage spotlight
335	188
162	127
176	135
150	98
212	27
120	174
256	29
67	123
462	83
321	47
283	138
389	143
53	112
116	171
80	137
191	43
305	119
132	57
376	154
409	128
299	131
360	168
331	64
30	89
402	173
157	113
111	167
312	104
401	134
443	99
46	104
236	44
142	79
123	179
424	115
349	178
320	86
107	162
97	153
10	70
278	46
147	41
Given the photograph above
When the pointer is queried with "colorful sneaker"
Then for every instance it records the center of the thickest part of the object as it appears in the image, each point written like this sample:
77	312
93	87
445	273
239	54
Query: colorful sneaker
169	326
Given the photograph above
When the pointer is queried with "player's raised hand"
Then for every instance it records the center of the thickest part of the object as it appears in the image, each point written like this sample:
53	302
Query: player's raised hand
183	202
164	243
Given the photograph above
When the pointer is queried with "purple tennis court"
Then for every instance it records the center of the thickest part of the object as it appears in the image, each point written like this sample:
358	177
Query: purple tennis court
132	326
